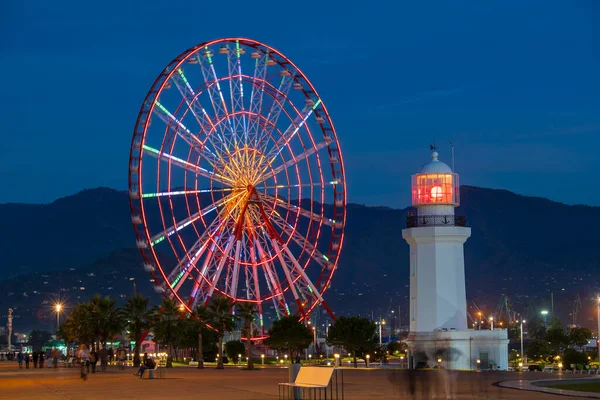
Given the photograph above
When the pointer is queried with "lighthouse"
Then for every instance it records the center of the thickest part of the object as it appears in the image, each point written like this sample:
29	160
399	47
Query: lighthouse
438	304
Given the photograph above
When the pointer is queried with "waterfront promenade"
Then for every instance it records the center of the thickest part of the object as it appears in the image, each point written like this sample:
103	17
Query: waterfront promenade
234	383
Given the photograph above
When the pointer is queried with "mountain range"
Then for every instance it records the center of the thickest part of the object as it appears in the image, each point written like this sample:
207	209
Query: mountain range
521	247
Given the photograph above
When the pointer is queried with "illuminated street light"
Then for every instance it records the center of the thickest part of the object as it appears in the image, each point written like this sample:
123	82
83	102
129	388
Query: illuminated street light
58	308
522	353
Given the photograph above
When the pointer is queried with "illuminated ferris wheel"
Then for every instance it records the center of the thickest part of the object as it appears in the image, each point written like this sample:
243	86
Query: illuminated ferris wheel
236	181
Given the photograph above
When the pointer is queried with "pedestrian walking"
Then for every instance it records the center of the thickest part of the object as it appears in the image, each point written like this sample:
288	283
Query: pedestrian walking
84	359
20	358
26	360
41	359
111	355
93	360
121	357
103	354
55	357
34	356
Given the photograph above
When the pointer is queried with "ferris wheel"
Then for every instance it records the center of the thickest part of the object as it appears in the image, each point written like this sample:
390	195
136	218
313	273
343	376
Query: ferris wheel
236	181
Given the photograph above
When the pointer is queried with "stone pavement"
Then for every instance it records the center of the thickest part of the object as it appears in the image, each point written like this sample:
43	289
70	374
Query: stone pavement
235	383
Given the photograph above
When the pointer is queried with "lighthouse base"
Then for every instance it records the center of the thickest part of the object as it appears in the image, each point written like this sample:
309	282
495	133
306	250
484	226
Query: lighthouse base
459	350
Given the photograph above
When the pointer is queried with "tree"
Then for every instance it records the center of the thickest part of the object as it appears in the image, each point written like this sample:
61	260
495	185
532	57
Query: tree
289	335
138	319
355	334
201	314
106	321
535	328
78	326
166	326
222	320
233	349
39	339
395	347
246	311
573	357
557	339
579	336
537	349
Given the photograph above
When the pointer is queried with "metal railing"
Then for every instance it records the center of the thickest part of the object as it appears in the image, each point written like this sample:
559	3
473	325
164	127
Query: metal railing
414	221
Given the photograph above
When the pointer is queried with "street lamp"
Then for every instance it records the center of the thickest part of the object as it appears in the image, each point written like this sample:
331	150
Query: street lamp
315	339
598	335
285	358
522	353
262	359
368	357
380	323
337	359
492	323
58	308
544	314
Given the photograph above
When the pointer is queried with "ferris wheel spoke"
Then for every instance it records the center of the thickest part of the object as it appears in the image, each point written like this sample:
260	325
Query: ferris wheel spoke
276	108
314	253
188	166
224	257
256	97
197	249
216	95
273	282
236	90
186	222
293	161
185	192
288	276
175	125
299	211
290	132
199	113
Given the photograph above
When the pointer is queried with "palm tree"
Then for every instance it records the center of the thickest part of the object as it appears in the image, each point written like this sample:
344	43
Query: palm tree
107	320
202	316
167	326
222	320
246	312
138	319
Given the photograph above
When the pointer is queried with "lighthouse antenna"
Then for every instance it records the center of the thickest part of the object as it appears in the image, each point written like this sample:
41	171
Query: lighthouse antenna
452	146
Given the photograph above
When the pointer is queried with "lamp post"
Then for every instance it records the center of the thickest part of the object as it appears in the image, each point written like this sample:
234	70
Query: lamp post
380	323
598	335
492	323
368	357
337	359
545	314
522	353
262	359
314	339
327	347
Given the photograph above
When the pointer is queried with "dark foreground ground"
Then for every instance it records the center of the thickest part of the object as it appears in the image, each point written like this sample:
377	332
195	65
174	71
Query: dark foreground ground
234	383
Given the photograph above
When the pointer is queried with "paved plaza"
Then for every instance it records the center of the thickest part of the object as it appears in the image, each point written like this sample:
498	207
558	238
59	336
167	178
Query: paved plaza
235	383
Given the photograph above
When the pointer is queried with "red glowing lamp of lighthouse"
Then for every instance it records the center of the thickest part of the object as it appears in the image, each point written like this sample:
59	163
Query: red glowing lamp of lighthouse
435	184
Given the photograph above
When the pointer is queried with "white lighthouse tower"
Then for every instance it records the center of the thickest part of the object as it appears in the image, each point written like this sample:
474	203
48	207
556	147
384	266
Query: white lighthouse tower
438	304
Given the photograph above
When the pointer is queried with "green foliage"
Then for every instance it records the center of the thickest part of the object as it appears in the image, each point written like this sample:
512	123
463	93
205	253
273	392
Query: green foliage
233	349
556	338
572	356
221	318
167	326
138	318
579	336
535	328
106	321
39	338
395	348
538	349
201	316
246	312
355	334
289	335
78	326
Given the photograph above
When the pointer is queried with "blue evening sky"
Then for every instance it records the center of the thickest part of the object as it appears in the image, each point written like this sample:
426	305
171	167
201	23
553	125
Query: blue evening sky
514	84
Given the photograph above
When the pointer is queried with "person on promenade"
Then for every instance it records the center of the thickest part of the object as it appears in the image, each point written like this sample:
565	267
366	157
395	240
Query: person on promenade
103	354
93	360
84	358
20	358
121	357
41	359
26	360
111	355
55	357
145	358
148	364
34	356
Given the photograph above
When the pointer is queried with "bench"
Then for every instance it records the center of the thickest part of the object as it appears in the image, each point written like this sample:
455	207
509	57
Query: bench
314	379
150	371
